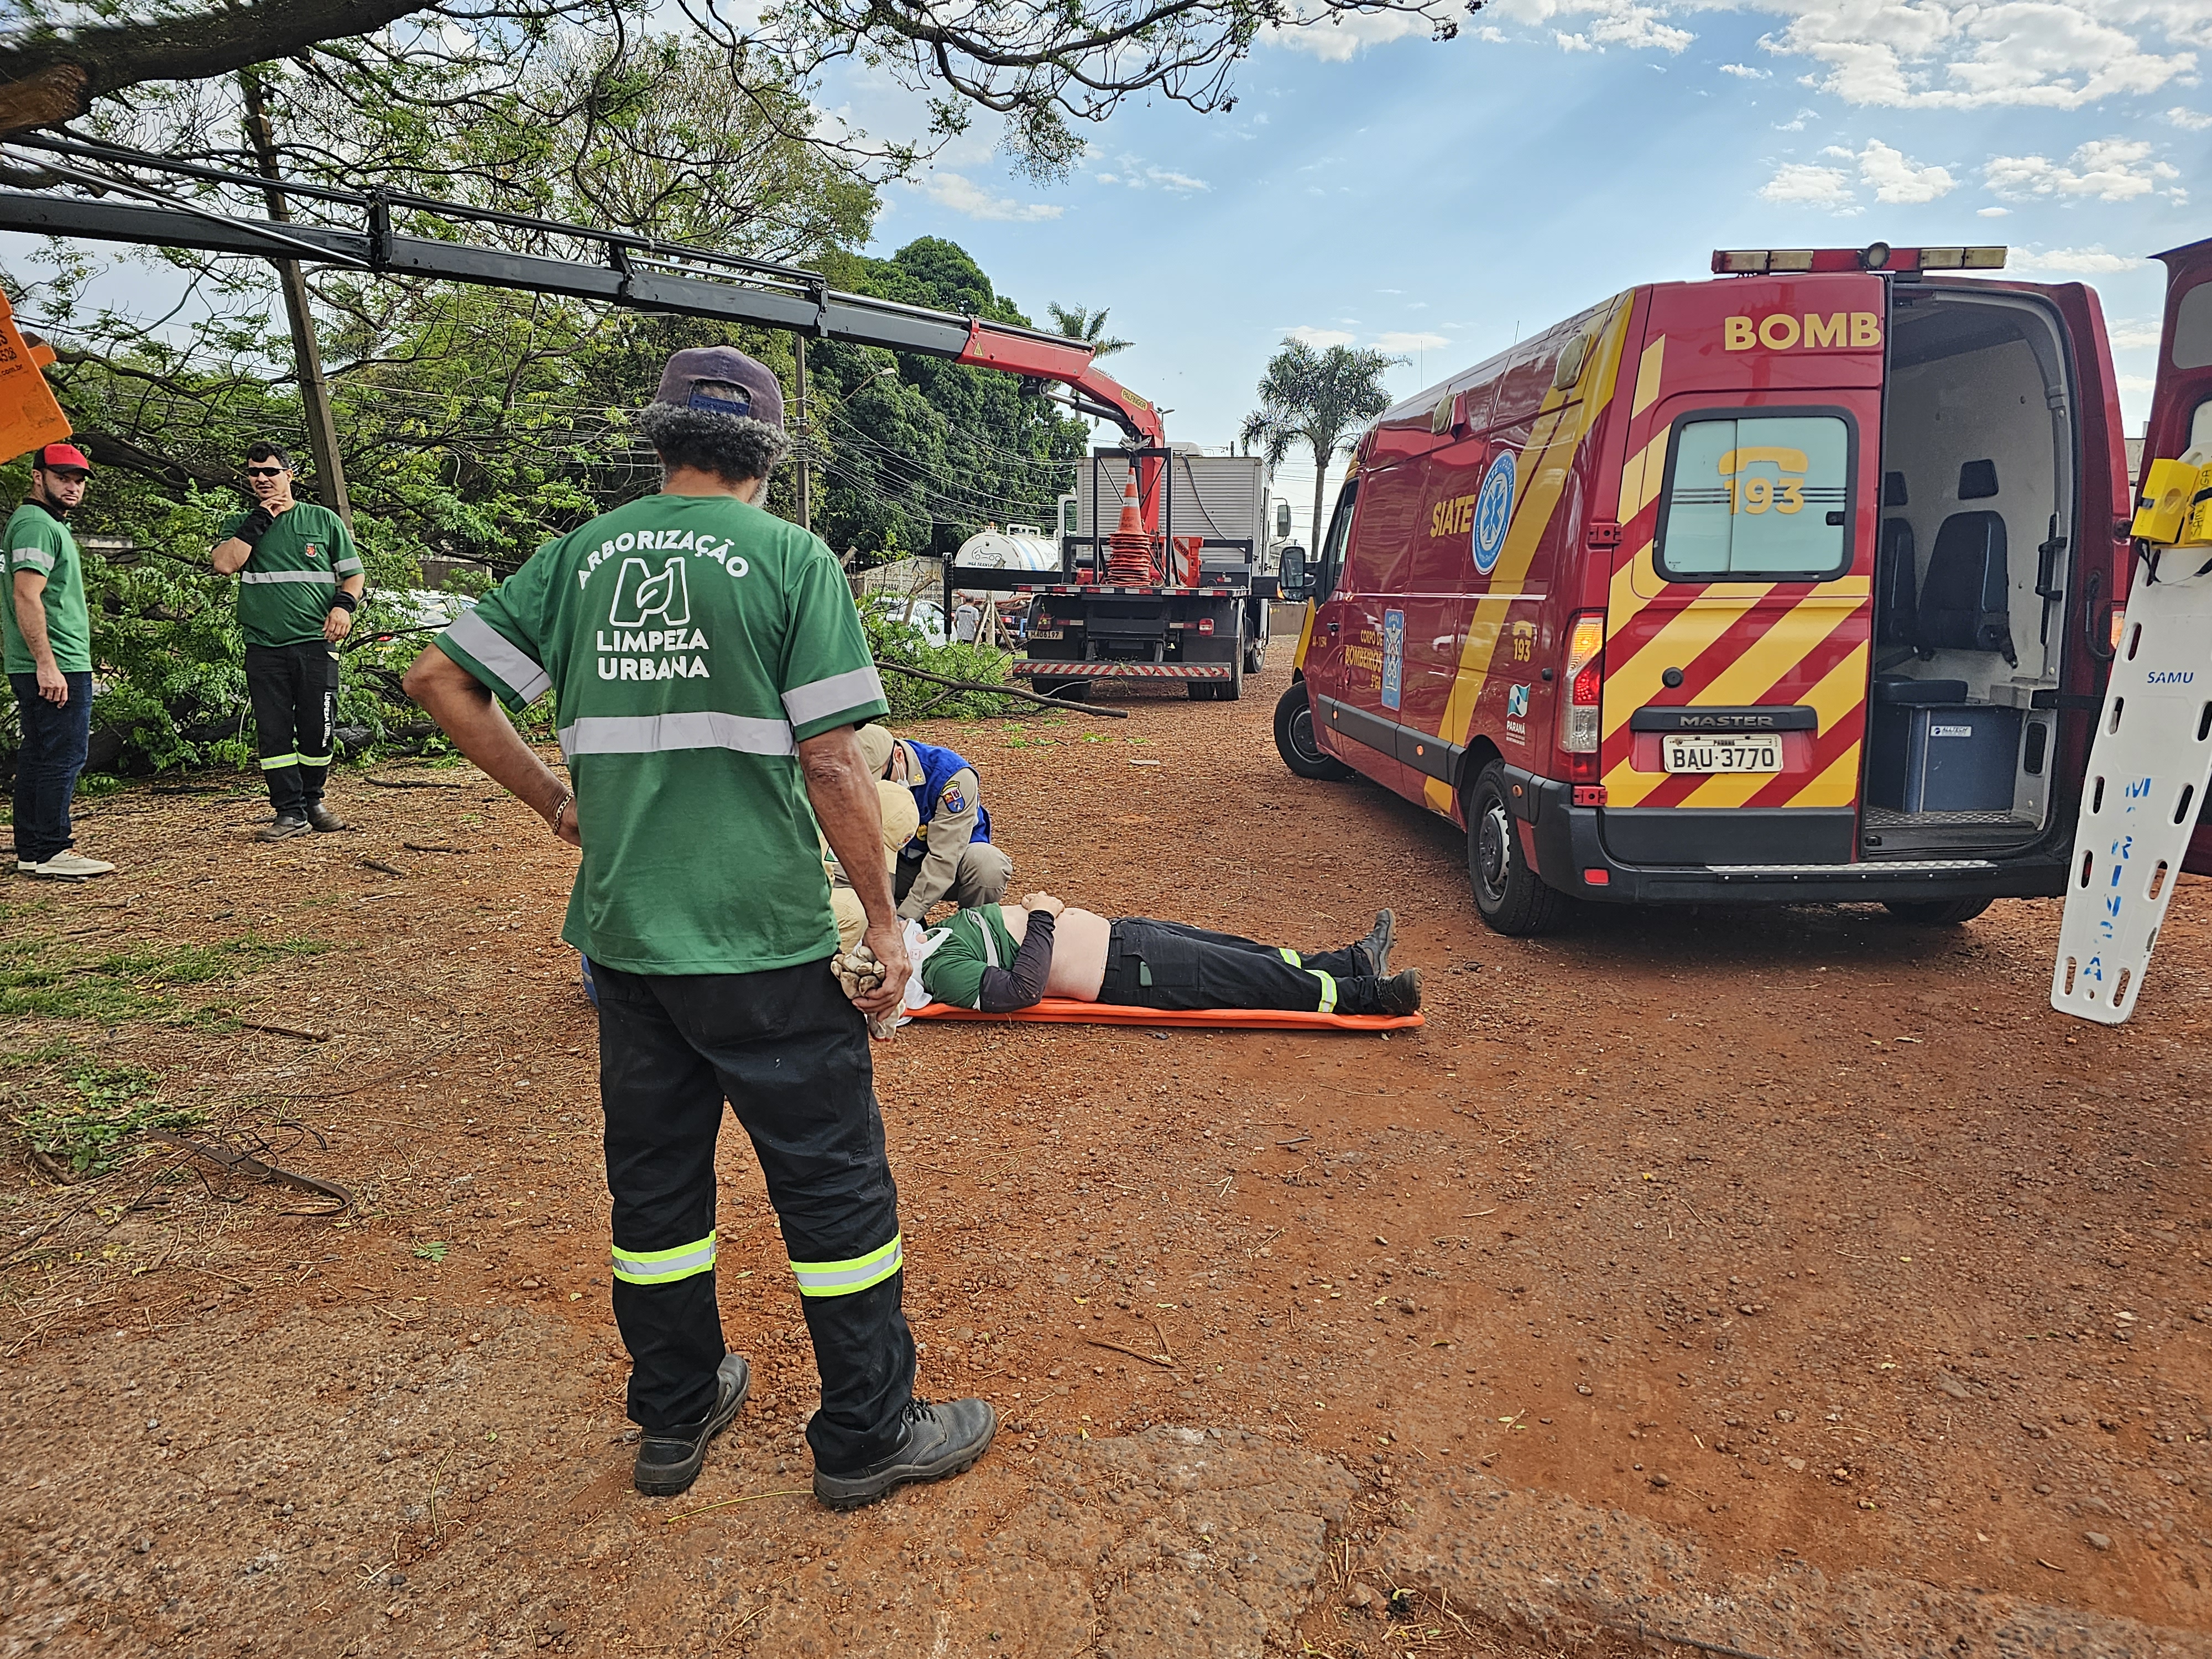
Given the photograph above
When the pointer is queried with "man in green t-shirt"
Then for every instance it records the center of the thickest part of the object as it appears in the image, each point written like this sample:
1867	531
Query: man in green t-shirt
708	668
299	583
48	633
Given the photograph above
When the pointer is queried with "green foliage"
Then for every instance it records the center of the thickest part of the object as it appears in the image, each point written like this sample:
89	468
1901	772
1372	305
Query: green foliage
42	976
433	1252
87	1126
894	642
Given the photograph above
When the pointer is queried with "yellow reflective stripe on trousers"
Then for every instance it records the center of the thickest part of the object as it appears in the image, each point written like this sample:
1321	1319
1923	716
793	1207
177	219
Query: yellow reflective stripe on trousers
844	1278
664	1266
314	760
1328	991
278	762
1290	955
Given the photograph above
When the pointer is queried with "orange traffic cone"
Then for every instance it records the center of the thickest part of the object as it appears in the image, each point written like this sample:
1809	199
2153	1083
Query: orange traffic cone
1129	556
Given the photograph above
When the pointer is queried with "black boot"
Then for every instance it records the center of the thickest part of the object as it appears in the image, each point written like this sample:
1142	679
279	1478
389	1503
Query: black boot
669	1459
1400	993
940	1441
1376	947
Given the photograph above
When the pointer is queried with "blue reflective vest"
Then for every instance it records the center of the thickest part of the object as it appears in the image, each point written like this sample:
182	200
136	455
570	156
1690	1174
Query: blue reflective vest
938	766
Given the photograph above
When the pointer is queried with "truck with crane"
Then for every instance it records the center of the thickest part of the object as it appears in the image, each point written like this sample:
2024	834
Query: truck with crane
1166	605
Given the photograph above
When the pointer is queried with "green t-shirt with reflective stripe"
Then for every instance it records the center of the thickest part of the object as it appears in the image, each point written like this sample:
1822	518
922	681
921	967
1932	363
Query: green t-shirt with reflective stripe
974	940
284	589
690	641
40	543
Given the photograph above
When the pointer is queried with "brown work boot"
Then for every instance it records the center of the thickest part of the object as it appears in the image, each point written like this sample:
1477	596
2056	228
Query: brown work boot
284	827
320	816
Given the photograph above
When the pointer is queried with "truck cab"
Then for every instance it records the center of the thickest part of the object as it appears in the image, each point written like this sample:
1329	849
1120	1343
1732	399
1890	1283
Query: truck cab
1794	585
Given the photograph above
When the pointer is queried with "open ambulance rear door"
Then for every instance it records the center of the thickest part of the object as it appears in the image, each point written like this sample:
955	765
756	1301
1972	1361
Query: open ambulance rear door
2148	770
2181	408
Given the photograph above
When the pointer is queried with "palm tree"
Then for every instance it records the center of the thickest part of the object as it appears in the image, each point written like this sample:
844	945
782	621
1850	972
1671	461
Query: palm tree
1088	326
1322	397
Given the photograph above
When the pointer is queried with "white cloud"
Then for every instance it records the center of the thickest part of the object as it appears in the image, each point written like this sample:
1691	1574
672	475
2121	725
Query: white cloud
1321	339
1946	54
1960	54
964	195
1345	35
1399	344
2072	261
1895	178
1992	213
2134	335
2137	383
1796	184
2110	169
2188	119
1139	174
1744	72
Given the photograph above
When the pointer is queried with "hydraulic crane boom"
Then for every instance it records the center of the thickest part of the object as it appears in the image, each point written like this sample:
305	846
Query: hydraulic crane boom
637	273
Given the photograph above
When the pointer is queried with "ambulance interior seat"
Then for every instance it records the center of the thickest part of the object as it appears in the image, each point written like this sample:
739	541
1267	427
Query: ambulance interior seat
1965	599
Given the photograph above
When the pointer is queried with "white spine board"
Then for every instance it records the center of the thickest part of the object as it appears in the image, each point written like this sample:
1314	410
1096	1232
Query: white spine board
2148	772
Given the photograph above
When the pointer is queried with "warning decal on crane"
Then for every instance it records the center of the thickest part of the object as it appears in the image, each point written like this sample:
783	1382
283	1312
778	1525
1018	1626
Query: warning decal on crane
2148	773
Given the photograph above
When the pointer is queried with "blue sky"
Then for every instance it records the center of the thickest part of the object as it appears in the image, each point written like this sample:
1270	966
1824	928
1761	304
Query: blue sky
1433	198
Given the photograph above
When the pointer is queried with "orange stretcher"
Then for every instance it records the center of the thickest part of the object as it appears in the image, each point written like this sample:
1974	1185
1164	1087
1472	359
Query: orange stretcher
1067	1010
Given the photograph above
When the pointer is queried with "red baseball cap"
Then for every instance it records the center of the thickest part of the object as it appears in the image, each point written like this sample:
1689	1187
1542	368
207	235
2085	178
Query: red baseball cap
58	455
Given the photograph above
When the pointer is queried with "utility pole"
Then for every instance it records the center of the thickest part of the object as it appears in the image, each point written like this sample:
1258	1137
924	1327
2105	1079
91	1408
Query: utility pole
314	392
806	473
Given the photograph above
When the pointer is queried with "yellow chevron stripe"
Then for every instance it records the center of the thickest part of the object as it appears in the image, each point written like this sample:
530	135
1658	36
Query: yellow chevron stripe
1640	477
1626	786
1835	698
1305	637
1678	641
1648	368
1628	593
1837	786
1795	636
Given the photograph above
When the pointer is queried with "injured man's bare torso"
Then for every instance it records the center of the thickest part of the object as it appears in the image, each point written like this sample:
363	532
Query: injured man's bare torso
1078	950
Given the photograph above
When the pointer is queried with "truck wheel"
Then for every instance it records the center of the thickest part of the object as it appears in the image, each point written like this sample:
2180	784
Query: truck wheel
1511	897
1066	690
1936	913
1255	656
1294	737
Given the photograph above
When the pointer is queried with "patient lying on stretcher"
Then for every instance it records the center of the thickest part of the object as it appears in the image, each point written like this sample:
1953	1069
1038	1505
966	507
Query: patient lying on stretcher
1001	958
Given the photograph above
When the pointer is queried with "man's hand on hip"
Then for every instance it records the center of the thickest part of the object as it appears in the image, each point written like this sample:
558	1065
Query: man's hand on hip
53	685
887	940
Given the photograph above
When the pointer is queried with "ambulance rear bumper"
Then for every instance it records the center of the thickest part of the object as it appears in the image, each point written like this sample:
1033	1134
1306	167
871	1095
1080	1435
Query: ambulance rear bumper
1570	856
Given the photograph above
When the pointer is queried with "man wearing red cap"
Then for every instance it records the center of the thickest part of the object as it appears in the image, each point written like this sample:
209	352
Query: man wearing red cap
48	632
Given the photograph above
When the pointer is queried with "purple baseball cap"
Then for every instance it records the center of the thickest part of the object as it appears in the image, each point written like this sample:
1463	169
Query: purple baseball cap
721	380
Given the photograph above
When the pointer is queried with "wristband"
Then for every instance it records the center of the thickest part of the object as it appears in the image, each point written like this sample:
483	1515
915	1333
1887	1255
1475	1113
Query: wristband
344	601
256	524
567	799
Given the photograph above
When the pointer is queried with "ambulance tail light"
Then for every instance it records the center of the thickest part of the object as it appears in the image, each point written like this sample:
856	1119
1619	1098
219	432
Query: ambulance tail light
1585	687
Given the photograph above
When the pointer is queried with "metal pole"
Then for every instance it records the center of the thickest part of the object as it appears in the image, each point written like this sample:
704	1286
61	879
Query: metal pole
806	472
314	392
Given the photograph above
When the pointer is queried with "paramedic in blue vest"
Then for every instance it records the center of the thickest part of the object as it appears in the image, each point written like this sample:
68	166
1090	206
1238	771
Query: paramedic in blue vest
951	856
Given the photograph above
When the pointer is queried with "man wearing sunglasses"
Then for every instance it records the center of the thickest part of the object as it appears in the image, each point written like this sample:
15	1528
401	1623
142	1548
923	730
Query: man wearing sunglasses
299	583
48	632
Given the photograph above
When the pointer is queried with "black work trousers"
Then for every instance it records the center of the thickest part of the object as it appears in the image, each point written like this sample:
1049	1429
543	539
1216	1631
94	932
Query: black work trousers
790	1054
295	692
1166	965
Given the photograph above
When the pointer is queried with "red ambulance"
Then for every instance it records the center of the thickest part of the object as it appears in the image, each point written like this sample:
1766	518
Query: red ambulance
1797	586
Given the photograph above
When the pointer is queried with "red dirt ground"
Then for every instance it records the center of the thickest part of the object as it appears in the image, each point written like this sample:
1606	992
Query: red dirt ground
1803	1246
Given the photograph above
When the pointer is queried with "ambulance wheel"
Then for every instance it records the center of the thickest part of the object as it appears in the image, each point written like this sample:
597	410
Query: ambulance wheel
1294	737
1511	897
1936	913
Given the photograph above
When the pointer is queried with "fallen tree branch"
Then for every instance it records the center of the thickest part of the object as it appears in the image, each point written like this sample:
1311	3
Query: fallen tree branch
411	783
299	1031
999	692
1133	1353
240	1163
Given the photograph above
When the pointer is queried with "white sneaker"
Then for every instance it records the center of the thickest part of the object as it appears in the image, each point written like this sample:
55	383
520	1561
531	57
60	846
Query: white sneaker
71	866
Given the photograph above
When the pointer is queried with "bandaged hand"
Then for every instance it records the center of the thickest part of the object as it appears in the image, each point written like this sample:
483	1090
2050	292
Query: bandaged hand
861	977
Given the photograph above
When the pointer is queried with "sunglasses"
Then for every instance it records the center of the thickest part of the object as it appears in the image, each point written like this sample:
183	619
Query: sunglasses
264	471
